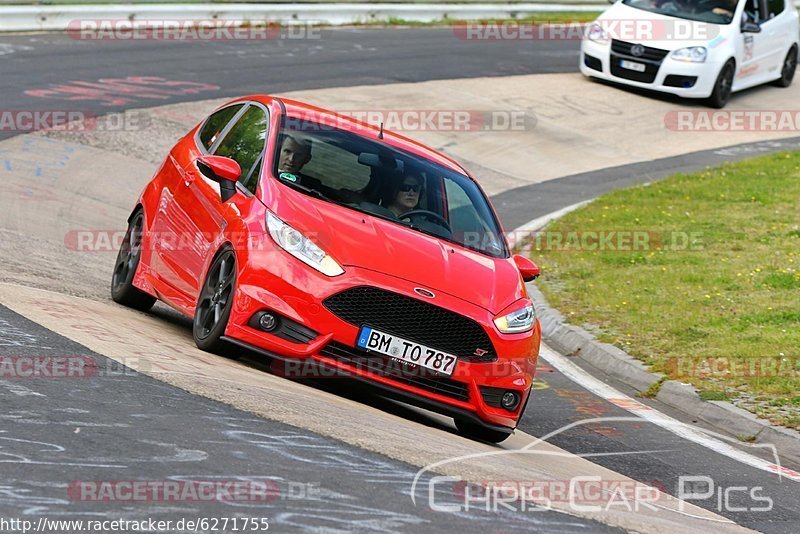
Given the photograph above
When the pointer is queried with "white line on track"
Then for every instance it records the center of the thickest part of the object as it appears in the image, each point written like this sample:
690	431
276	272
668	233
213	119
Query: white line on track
683	430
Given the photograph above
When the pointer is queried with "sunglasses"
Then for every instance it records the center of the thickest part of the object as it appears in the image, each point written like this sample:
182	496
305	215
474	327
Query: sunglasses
405	188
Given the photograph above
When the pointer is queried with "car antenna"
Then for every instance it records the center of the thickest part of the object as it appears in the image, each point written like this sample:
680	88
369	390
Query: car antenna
380	133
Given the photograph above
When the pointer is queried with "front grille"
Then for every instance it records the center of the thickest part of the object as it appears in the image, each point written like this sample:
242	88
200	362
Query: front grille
650	54
398	371
414	320
651	58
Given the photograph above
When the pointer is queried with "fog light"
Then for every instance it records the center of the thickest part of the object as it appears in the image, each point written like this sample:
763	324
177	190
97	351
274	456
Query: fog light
510	400
267	322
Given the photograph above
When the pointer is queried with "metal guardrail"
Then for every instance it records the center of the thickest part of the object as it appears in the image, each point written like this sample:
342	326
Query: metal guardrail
58	18
109	2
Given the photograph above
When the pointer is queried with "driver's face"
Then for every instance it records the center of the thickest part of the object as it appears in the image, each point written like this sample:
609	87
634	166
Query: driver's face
293	156
408	195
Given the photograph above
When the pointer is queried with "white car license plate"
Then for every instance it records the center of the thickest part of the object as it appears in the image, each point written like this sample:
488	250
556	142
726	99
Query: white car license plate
631	65
406	351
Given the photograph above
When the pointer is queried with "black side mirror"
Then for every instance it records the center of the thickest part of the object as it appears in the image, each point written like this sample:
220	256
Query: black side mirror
749	26
224	171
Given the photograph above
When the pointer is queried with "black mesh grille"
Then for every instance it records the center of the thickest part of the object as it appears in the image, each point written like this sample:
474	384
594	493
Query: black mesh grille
413	320
406	373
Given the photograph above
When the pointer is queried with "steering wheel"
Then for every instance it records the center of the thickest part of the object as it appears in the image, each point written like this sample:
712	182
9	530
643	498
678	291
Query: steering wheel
431	216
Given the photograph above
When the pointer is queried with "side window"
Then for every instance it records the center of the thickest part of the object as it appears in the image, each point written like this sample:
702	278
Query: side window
754	11
775	8
245	144
216	123
250	179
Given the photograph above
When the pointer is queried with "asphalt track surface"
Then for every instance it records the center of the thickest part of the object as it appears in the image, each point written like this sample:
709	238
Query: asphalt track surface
154	417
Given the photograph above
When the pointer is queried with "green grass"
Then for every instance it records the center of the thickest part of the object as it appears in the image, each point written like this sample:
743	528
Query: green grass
717	284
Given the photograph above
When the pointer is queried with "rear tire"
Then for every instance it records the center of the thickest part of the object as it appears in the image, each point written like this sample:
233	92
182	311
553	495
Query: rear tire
478	432
788	69
215	303
723	85
130	252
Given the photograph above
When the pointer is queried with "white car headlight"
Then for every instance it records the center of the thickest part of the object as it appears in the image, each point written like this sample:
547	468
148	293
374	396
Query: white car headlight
693	54
301	247
518	321
597	33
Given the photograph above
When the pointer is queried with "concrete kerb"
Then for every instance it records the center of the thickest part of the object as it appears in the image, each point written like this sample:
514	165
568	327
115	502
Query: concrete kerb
611	361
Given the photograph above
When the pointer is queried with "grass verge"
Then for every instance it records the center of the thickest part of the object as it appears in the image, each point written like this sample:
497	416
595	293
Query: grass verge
708	294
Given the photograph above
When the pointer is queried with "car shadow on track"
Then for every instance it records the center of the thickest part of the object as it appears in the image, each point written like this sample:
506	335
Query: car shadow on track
340	386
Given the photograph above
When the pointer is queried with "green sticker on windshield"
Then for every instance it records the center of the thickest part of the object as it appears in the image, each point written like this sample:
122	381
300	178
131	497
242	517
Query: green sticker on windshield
288	177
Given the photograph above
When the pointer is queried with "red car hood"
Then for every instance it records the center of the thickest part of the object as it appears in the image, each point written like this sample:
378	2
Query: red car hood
360	240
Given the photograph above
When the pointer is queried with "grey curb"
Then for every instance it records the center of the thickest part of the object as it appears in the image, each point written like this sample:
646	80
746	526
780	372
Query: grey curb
576	342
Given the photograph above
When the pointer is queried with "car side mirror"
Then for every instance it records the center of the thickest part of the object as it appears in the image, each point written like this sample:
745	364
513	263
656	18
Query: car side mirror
528	269
749	26
224	171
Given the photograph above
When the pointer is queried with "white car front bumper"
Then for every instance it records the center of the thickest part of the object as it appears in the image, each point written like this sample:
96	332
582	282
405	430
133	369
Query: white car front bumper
691	80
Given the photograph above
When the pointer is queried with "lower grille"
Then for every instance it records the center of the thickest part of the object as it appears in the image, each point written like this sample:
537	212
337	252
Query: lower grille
673	80
390	368
592	62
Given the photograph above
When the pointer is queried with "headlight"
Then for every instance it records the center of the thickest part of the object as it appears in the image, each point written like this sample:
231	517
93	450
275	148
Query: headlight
301	247
693	54
597	33
518	321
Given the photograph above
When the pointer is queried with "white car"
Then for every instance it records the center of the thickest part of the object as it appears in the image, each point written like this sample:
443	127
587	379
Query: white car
694	48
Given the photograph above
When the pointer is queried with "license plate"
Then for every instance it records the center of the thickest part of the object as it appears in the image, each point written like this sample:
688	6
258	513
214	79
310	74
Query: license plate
631	65
406	351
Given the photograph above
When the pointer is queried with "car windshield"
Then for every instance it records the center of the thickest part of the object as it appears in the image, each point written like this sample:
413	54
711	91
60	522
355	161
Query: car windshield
372	177
713	11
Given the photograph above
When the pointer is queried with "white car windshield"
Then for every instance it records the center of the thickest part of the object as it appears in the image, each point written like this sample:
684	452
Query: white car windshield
713	11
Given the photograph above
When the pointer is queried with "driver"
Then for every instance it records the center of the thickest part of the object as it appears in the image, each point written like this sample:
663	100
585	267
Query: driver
295	153
406	194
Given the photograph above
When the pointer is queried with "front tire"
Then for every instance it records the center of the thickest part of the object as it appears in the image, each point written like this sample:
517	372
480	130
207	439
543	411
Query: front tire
723	86
471	430
130	252
789	68
215	303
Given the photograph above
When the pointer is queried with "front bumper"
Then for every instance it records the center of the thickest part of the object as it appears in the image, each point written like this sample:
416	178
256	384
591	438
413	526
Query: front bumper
689	80
298	294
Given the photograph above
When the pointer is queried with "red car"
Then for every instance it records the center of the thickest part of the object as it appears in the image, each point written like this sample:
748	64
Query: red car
338	248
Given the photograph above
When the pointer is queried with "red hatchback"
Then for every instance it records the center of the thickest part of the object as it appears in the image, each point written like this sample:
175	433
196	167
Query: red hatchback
339	249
